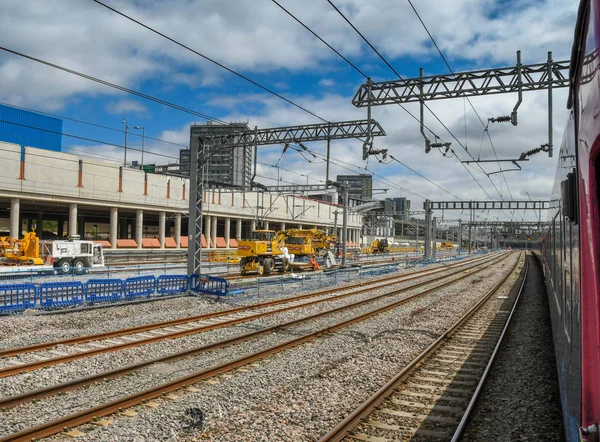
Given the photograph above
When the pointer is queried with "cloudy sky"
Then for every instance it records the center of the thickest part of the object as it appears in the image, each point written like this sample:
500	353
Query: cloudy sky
260	41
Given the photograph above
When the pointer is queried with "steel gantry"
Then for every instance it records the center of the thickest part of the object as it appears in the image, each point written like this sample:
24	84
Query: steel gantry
208	146
512	79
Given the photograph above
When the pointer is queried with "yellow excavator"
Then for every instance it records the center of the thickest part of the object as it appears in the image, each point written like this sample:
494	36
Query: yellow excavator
21	251
262	253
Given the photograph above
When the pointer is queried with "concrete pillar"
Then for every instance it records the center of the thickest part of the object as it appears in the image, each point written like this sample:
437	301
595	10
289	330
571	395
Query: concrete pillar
15	227
300	226
213	232
252	225
39	224
238	229
266	225
162	221
114	223
178	229
227	230
282	226
207	226
139	227
72	219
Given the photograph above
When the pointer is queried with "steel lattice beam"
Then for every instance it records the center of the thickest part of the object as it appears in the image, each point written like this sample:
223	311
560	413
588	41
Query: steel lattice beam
298	134
463	84
488	205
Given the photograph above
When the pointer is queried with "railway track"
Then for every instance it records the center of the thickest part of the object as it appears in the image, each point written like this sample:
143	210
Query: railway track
111	407
431	399
88	345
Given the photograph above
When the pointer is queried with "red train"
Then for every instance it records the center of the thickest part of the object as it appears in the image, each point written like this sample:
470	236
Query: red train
571	247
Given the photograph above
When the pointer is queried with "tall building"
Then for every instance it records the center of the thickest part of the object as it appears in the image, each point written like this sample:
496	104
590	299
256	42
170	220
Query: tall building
360	186
30	129
225	166
402	205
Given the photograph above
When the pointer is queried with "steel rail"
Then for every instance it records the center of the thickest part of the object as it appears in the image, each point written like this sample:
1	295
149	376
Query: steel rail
10	371
464	420
341	430
163	324
84	416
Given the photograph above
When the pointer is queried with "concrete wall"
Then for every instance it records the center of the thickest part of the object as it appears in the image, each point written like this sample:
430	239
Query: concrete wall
54	176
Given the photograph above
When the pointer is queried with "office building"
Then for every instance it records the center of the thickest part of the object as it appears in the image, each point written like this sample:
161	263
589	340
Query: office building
229	167
402	205
360	187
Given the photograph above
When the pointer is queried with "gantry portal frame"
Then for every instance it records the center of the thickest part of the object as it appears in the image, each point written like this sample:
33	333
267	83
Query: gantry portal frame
518	78
208	146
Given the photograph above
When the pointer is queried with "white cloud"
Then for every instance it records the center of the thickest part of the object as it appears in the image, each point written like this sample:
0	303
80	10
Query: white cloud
124	107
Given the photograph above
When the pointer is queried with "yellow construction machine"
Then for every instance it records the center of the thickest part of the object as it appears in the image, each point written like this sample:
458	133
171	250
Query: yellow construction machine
379	246
21	251
262	253
307	242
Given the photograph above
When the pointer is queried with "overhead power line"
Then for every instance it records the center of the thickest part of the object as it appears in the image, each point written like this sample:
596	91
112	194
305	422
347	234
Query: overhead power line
115	86
91	124
89	139
264	88
468	99
429	109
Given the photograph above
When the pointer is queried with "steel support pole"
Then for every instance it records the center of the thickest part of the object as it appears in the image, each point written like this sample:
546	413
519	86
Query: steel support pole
328	153
434	236
459	247
550	148
470	227
427	231
194	262
345	228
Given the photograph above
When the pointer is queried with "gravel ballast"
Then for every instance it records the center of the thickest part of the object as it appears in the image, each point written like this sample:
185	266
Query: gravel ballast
296	395
520	399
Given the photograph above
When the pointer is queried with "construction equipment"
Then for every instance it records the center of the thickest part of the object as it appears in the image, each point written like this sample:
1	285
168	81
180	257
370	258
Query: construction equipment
64	256
21	251
447	246
379	246
307	242
263	253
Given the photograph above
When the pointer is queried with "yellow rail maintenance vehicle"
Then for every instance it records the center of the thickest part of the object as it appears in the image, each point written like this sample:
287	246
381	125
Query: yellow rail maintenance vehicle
262	253
307	242
379	246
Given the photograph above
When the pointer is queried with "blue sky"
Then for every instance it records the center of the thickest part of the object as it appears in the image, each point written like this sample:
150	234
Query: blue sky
257	39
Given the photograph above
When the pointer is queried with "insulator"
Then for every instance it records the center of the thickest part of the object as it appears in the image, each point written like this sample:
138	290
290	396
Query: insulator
440	144
501	119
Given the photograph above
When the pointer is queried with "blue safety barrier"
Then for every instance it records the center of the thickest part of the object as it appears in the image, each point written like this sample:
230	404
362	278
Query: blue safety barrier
103	290
139	286
210	285
61	294
171	284
17	297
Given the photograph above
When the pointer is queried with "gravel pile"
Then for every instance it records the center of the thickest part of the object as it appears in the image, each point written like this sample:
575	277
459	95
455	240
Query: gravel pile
296	395
521	399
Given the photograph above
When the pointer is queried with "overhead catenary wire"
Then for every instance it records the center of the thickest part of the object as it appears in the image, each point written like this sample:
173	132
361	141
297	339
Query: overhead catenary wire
89	123
433	113
358	70
114	86
264	88
470	103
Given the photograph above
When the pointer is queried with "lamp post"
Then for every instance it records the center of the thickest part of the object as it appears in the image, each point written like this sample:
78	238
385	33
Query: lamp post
126	129
143	133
